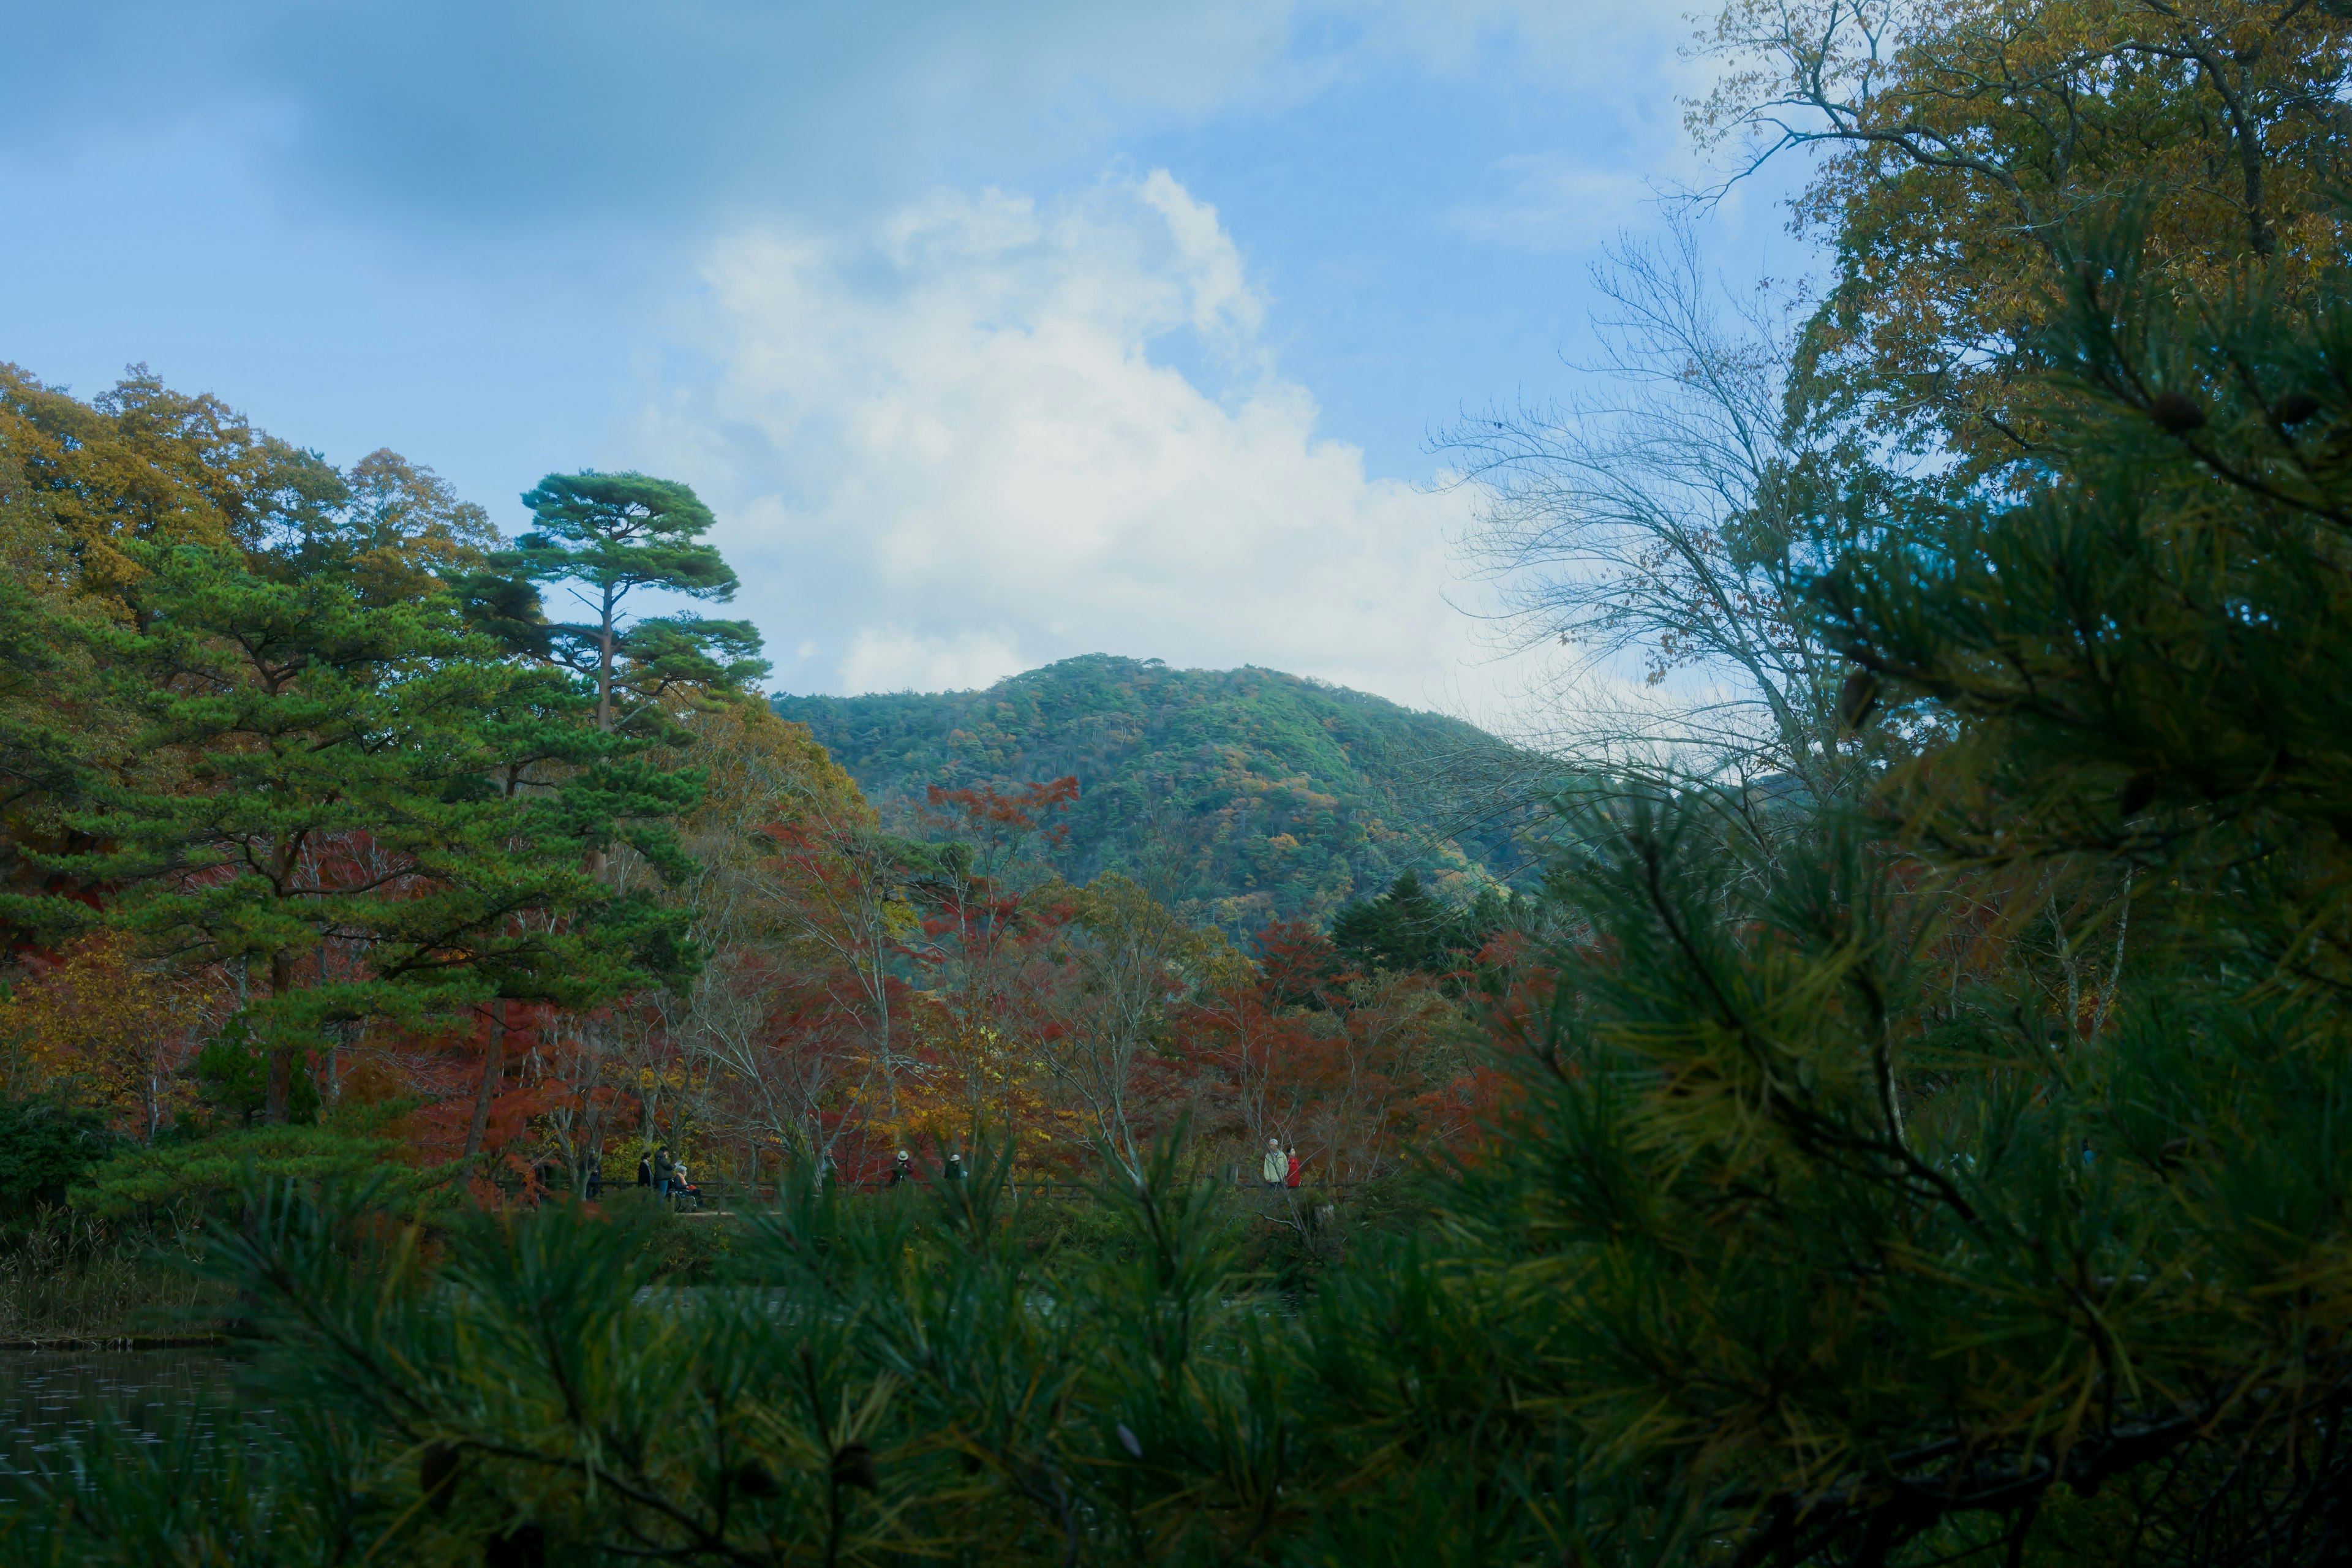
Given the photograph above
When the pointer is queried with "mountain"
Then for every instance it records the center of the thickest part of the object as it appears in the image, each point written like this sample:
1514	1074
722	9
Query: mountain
1242	794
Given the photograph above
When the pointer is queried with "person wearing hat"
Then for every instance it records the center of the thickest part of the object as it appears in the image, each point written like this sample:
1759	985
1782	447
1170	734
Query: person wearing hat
1276	1168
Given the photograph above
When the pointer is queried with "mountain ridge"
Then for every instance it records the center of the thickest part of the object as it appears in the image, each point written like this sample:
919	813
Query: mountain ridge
1240	795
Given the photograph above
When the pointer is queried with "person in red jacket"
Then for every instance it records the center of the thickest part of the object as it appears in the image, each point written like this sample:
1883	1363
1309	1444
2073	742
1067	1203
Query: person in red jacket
1290	1178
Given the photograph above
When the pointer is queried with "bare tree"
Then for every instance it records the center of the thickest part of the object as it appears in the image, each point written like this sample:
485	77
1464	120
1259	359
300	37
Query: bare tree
579	1054
1126	959
834	891
1663	531
790	1068
785	904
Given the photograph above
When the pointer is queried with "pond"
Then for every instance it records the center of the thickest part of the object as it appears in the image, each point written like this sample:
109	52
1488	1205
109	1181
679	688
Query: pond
50	1398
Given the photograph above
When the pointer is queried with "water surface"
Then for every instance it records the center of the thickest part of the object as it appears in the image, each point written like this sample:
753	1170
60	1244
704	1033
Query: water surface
49	1399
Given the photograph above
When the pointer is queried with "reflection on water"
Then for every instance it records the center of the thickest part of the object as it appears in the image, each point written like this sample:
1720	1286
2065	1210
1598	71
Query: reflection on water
50	1398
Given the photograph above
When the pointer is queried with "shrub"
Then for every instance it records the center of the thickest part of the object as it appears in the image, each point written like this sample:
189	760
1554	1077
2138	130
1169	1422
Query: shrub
45	1148
189	1180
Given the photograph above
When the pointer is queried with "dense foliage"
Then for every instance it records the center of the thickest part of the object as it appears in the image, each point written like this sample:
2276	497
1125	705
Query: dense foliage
1963	144
328	848
1932	1153
283	828
1406	931
1247	795
1815	1230
45	1148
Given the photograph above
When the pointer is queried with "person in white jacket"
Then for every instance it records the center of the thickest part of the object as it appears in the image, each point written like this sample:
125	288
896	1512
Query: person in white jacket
1276	1168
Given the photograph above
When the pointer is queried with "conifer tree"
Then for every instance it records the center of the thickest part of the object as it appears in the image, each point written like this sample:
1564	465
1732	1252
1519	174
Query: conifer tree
1843	1237
1407	930
325	775
606	538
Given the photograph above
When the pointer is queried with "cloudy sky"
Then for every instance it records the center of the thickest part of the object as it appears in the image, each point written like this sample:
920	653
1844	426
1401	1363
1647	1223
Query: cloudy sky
995	333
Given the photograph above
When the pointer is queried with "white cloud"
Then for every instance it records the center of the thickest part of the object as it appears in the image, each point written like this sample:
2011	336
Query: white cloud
960	445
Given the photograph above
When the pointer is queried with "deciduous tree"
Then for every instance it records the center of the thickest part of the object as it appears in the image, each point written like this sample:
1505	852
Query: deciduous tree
1962	144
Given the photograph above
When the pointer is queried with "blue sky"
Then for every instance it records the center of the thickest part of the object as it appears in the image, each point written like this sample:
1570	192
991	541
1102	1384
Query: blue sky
994	333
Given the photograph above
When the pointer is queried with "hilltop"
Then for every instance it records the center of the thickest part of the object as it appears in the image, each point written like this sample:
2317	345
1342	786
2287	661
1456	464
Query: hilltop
1246	795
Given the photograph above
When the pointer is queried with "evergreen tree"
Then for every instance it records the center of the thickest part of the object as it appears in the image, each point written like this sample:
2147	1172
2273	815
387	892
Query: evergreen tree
608	537
46	1146
1855	1223
1405	930
330	808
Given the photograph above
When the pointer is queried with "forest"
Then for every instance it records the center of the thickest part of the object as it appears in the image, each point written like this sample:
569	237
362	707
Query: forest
1239	796
1897	1121
347	853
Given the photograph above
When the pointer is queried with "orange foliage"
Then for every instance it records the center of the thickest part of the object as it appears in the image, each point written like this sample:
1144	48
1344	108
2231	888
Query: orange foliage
1355	1072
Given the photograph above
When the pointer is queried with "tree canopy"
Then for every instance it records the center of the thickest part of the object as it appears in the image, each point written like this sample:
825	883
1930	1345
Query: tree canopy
1904	1131
609	537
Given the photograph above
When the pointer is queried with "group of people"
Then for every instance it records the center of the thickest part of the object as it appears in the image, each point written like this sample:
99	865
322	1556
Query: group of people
666	1174
1281	1168
902	1169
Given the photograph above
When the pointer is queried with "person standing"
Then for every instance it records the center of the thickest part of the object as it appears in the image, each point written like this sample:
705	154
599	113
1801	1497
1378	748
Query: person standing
662	1168
1276	1168
1291	1172
645	1169
902	1169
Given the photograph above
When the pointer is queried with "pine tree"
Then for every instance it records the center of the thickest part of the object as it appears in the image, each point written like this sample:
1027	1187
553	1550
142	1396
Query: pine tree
608	537
1405	930
332	808
1853	1220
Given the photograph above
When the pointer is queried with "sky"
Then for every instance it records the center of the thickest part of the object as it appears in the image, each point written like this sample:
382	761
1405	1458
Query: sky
994	334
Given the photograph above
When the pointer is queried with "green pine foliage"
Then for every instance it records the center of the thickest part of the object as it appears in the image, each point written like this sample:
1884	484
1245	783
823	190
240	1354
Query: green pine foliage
233	1080
1248	795
319	770
180	1182
1850	1234
46	1146
607	538
1404	930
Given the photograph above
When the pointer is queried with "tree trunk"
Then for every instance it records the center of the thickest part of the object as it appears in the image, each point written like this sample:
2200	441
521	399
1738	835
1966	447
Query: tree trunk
281	1057
604	643
494	1066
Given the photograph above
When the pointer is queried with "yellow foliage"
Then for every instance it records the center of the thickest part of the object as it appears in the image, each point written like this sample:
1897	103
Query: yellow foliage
106	1029
1965	139
139	462
759	775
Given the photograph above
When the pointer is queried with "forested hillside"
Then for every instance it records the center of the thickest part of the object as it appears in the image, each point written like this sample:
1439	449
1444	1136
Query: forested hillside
1247	793
1903	1127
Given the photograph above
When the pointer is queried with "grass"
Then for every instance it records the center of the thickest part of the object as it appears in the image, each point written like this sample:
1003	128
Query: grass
63	1276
